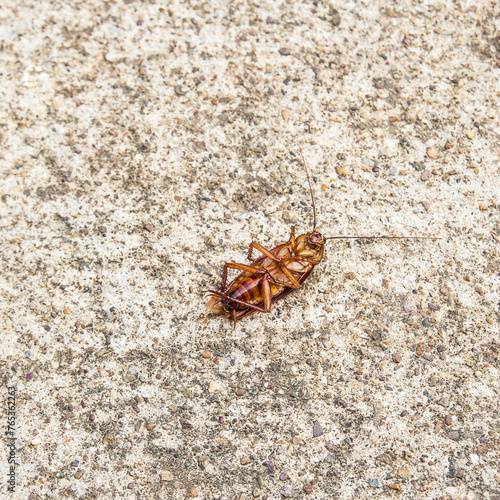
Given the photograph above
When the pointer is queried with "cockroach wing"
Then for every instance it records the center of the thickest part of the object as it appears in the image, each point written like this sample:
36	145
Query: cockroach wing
214	305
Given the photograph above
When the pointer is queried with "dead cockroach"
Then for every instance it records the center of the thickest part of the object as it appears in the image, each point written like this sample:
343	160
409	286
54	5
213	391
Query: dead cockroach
277	273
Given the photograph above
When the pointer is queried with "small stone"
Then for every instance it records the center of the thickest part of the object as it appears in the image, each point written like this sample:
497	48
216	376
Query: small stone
240	392
441	348
418	166
335	17
180	90
350	276
445	290
78	475
470	134
317	429
395	486
148	227
385	458
396	358
448	420
199	146
102	229
433	307
109	440
67	310
285	114
166	475
455	435
490	320
192	493
341	170
295	440
425	176
284	51
404	472
131	374
438	426
444	402
269	465
283	476
206	354
407	307
432	153
64	483
245	460
375	483
307	488
213	387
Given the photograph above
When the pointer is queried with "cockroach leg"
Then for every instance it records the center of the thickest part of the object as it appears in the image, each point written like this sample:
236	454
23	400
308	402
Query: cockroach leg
294	283
241	302
266	292
240	267
292	238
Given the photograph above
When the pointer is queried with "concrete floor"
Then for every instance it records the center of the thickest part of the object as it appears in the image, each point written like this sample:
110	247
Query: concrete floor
144	145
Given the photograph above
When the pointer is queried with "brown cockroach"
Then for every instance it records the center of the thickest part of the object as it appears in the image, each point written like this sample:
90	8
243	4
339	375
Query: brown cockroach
277	273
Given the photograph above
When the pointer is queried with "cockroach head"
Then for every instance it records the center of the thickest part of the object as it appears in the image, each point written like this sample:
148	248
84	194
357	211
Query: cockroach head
316	238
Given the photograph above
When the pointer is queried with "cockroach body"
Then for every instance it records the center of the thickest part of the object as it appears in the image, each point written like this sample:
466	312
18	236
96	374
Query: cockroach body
276	274
269	278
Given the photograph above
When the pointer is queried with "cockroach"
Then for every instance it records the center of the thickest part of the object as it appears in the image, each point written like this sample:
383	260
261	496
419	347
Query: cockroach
277	273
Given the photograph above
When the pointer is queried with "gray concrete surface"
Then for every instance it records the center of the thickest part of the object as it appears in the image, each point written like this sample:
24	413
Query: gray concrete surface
143	145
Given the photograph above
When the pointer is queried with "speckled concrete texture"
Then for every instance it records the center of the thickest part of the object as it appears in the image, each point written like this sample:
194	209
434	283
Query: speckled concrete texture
143	145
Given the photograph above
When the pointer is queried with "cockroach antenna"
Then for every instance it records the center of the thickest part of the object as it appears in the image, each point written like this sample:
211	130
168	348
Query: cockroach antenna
382	237
310	188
